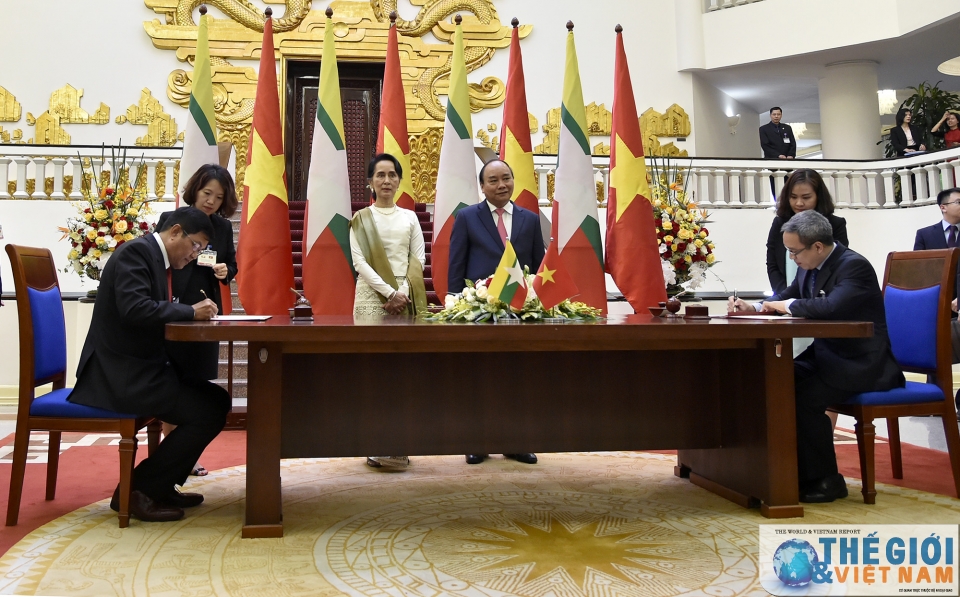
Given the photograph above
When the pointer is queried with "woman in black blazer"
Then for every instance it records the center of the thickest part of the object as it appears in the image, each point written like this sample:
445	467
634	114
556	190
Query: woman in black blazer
210	189
803	190
898	135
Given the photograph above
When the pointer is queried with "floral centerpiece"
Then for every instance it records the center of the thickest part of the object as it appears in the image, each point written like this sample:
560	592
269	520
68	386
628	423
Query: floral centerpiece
686	251
477	305
111	213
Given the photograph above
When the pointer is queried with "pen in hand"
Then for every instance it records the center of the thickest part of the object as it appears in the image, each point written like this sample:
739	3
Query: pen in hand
206	297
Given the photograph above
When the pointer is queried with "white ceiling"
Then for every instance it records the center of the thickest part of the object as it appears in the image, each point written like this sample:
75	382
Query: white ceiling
792	82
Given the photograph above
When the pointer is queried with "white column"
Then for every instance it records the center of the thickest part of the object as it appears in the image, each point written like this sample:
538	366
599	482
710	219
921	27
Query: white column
780	177
39	170
849	118
58	178
906	191
889	194
720	187
77	166
872	189
4	177
843	189
735	189
946	175
750	188
689	20
168	189
21	192
151	180
704	179
919	176
765	188
830	183
933	179
856	184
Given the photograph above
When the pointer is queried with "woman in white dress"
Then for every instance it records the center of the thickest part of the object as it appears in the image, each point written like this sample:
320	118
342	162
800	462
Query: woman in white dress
388	253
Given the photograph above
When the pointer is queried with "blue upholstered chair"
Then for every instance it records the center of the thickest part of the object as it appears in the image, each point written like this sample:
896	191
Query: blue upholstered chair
43	360
917	291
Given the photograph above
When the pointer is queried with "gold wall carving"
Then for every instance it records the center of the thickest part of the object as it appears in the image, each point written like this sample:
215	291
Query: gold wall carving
14	136
161	127
534	125
362	27
492	143
673	123
424	161
64	109
9	107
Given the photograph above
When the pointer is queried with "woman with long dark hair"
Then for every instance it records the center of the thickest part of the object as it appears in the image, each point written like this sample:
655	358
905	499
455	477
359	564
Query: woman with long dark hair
803	190
906	137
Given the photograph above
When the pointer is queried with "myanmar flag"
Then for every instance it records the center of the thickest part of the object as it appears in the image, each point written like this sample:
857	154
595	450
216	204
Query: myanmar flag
508	283
457	173
200	134
576	226
393	137
328	280
264	254
515	146
633	257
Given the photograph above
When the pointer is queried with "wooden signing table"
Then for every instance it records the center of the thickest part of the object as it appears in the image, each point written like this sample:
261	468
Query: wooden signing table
719	391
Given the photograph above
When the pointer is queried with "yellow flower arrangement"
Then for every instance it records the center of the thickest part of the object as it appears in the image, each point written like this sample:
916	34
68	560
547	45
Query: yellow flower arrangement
107	216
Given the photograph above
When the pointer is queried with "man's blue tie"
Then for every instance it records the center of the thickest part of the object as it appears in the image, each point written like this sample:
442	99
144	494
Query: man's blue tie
952	239
811	282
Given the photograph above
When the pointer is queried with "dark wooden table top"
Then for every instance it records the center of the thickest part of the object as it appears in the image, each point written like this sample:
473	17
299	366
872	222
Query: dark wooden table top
626	332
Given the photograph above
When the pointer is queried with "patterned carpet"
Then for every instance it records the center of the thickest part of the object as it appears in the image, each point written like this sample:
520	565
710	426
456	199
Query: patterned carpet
575	524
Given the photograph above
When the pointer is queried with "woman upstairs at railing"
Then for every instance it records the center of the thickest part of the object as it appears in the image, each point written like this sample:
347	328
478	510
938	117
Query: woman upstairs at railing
905	137
803	190
950	132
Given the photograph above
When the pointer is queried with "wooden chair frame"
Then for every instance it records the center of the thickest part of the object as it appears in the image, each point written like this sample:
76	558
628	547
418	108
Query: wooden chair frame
34	268
912	267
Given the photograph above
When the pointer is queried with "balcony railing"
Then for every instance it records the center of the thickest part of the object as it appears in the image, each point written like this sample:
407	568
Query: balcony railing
54	172
738	183
712	5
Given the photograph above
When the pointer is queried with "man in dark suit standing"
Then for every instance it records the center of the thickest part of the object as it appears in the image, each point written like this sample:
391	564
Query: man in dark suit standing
124	366
479	238
776	138
836	283
946	235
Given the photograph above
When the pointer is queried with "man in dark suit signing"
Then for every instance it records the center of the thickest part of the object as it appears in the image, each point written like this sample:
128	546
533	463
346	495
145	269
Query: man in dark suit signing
945	235
479	238
124	366
835	283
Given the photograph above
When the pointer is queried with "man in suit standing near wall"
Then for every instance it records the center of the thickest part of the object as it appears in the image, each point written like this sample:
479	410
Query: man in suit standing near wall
479	238
124	365
833	283
777	142
945	235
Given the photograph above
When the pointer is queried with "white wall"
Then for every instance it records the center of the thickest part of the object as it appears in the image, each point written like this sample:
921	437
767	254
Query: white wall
114	68
713	138
778	28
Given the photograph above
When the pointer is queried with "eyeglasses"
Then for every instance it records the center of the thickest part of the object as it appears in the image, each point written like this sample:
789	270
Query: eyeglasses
795	253
196	245
951	202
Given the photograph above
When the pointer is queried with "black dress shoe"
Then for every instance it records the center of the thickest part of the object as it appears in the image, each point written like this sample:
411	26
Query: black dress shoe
146	509
824	490
524	458
178	499
475	458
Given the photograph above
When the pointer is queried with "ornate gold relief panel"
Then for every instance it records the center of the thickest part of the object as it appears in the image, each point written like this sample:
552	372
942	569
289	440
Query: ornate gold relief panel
236	36
161	127
64	109
674	123
9	107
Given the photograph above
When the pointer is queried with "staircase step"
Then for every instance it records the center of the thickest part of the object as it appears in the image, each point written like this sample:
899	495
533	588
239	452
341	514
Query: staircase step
239	387
239	351
239	370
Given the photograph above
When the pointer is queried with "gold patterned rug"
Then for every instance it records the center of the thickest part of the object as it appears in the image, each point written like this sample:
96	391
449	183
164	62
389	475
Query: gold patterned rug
572	525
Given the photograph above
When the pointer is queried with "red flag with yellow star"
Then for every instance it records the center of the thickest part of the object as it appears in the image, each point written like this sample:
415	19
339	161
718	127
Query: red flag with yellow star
393	137
516	148
264	252
553	283
633	257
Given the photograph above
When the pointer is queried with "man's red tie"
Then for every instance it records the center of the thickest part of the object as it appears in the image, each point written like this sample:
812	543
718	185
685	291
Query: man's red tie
501	227
170	285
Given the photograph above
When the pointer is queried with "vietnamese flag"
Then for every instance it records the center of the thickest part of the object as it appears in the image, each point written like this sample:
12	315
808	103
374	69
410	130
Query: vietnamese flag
633	257
328	279
553	283
515	146
264	252
393	137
